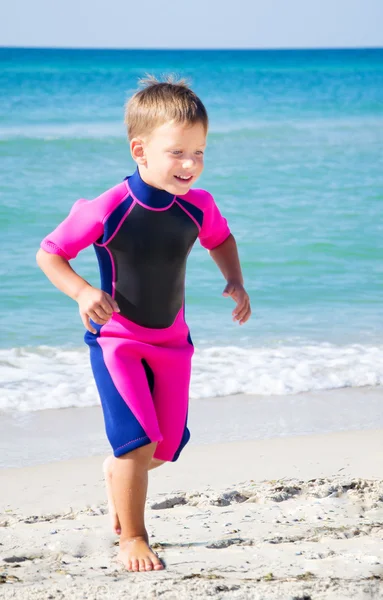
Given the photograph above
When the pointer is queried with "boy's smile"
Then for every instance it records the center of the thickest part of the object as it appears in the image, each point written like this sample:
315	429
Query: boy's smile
171	157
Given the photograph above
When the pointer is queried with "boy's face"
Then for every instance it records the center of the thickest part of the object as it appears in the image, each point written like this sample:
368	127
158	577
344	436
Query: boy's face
171	157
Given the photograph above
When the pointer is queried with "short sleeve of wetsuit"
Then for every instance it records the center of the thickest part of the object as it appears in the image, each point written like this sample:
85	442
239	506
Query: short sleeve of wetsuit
84	225
215	229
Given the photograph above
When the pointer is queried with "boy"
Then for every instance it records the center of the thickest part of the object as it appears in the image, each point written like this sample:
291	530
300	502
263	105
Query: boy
140	347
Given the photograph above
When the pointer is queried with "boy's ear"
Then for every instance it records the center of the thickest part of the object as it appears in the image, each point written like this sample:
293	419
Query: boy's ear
137	150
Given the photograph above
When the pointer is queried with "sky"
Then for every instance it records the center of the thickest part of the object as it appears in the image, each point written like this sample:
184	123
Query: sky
193	24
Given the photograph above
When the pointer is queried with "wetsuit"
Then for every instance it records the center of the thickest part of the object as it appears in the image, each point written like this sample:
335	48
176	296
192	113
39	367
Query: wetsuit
141	358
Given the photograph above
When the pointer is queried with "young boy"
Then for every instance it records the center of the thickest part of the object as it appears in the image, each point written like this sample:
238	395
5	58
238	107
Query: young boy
140	347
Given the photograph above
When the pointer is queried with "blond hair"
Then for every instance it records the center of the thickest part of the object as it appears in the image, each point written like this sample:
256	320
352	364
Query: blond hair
160	102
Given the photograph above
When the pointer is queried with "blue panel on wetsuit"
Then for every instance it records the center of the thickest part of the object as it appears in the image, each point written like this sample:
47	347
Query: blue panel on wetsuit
184	441
106	269
196	212
115	218
122	428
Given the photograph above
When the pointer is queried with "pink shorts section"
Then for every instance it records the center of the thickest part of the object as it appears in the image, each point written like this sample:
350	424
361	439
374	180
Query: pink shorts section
168	352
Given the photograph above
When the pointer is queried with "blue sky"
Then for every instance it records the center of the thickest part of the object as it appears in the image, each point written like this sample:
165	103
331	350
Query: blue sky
193	24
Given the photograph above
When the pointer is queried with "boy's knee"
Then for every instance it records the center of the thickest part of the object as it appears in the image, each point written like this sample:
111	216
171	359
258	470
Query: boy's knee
156	462
142	455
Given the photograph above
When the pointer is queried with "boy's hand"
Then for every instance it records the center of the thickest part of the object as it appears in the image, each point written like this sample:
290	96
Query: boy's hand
242	311
96	305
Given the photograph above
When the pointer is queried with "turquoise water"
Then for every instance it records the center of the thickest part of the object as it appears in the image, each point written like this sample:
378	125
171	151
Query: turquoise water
295	162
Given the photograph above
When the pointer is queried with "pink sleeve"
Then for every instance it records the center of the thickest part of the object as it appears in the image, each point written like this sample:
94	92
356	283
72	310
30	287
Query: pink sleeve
80	229
84	225
215	229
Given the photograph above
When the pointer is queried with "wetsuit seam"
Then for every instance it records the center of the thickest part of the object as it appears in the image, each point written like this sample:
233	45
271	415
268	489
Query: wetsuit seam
56	247
126	215
114	208
113	271
106	217
145	205
189	215
132	442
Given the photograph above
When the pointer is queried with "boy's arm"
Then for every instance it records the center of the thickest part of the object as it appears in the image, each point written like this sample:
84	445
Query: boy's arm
84	225
93	303
226	257
61	274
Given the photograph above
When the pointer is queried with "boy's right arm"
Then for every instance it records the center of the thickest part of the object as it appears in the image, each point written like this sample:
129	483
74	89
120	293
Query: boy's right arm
93	303
82	227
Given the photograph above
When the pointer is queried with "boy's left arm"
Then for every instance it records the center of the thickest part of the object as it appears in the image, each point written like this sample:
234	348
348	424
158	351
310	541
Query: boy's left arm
226	257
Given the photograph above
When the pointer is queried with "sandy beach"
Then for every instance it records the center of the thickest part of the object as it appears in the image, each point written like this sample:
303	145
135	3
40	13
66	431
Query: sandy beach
289	518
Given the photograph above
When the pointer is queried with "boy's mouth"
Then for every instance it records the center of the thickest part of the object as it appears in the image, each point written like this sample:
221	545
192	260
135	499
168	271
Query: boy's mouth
184	178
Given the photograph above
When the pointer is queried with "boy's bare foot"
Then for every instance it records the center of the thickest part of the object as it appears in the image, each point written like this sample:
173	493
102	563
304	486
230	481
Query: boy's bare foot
136	555
107	468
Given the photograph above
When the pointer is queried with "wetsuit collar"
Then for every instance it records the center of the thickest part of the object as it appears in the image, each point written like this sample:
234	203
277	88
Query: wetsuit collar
147	194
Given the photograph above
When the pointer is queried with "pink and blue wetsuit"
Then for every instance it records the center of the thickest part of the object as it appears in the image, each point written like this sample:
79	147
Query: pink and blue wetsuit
141	358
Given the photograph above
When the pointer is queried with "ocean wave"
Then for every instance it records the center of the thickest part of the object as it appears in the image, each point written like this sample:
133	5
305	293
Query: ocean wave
64	131
46	377
83	130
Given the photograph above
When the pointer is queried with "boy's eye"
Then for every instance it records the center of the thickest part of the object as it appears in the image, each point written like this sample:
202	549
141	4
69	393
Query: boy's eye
178	152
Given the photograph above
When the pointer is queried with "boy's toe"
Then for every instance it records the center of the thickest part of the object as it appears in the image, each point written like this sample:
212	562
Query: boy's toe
135	565
158	566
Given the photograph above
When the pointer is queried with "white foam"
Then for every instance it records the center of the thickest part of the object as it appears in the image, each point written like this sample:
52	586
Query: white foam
285	369
44	377
57	131
115	128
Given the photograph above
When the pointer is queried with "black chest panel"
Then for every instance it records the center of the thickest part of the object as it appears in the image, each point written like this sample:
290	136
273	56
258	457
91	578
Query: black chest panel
149	252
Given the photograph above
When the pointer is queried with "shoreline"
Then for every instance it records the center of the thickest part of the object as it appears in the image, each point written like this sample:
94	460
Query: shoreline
28	438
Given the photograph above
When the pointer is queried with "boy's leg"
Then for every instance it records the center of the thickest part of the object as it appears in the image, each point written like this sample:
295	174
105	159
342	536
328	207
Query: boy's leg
154	463
108	473
129	489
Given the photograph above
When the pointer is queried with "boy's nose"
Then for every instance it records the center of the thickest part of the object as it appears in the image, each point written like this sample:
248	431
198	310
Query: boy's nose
187	163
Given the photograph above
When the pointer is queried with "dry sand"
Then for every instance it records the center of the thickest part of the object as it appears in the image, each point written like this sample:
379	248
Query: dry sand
287	518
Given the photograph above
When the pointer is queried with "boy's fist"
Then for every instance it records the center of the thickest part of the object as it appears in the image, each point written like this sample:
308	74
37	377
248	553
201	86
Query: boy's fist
242	311
96	305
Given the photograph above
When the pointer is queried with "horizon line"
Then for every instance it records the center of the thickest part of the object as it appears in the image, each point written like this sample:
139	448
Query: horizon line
188	49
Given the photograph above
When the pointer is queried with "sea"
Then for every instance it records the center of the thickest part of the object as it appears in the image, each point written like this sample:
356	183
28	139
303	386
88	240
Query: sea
295	163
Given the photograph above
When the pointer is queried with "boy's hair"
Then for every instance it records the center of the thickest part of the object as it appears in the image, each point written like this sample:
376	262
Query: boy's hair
162	101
